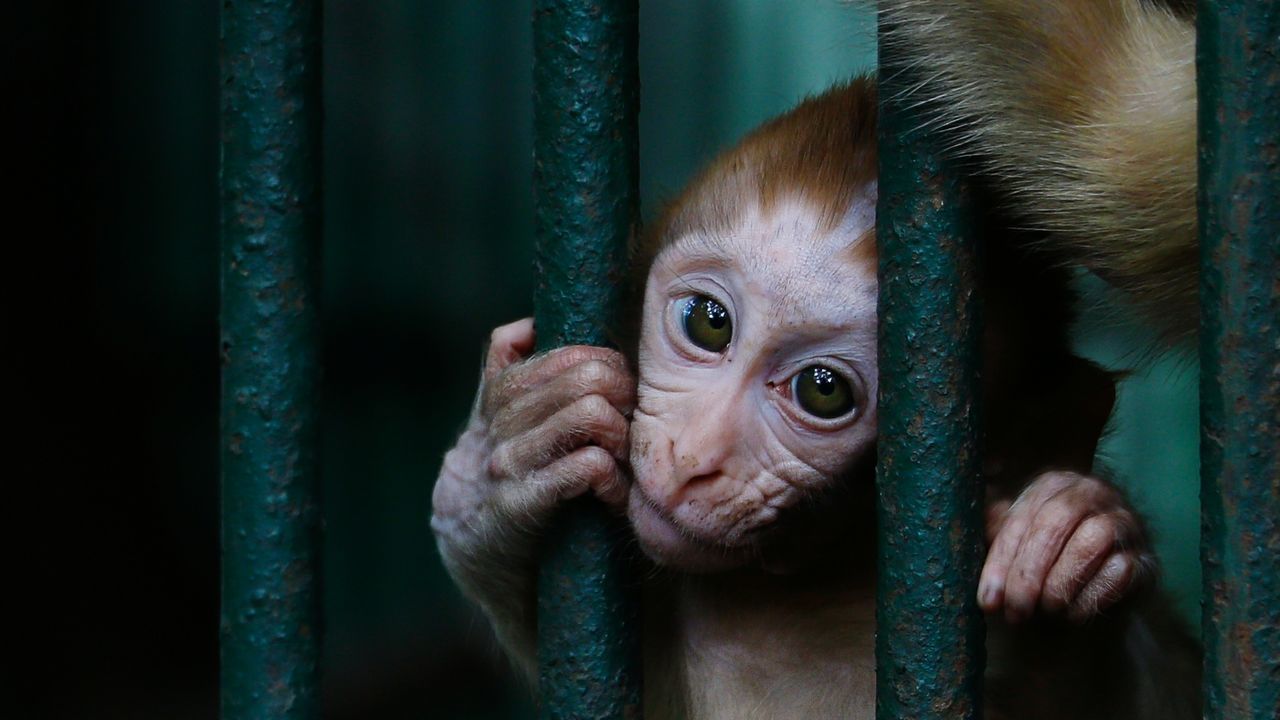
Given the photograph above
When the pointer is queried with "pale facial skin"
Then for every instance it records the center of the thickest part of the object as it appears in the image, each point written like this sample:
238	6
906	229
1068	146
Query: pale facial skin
722	446
721	443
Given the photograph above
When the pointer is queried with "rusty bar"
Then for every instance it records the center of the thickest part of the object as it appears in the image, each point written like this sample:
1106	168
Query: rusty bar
270	186
929	640
1238	66
586	90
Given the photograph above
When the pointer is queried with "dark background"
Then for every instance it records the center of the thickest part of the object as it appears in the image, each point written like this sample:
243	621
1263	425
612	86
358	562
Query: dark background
111	320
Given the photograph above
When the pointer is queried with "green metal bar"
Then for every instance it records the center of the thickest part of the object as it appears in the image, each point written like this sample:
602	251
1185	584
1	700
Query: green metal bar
270	184
586	90
1238	66
929	638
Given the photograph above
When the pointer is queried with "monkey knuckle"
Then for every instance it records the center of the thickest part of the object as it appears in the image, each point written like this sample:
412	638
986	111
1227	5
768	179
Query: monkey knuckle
1057	513
1056	597
1063	478
498	336
1126	523
1088	482
592	375
1042	538
1096	533
604	425
1054	482
613	358
496	466
501	464
595	410
596	464
1006	542
1101	492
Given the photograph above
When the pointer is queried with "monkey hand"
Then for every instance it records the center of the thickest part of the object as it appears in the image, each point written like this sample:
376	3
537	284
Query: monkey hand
544	428
1069	543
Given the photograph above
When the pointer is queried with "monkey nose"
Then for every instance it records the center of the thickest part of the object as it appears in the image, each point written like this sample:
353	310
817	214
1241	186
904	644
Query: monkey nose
693	465
674	469
697	459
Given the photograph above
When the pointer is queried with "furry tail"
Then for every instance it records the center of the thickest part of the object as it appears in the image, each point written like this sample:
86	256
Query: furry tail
1084	113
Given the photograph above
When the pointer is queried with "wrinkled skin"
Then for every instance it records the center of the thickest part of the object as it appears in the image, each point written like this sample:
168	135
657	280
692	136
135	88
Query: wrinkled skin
718	447
721	449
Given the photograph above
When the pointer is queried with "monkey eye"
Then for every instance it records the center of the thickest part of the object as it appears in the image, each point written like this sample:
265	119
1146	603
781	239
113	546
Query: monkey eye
822	392
707	323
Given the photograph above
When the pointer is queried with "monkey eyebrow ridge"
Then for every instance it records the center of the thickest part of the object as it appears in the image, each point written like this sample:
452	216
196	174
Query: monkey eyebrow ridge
700	247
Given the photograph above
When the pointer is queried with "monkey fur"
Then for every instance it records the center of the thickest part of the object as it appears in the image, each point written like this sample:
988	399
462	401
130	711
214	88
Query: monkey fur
1083	114
756	518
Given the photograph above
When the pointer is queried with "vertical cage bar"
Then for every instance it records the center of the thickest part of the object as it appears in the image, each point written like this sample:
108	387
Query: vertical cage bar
586	99
1238	67
270	186
929	629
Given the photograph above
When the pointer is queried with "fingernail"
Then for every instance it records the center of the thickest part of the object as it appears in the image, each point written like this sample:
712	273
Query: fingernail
989	593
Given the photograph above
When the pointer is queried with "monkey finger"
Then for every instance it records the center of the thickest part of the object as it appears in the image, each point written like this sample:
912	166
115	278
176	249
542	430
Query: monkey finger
1040	549
1090	545
587	468
1106	587
1004	548
593	377
508	344
590	420
520	378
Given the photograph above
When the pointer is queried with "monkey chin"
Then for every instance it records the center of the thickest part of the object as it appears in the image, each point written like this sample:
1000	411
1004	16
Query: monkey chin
670	545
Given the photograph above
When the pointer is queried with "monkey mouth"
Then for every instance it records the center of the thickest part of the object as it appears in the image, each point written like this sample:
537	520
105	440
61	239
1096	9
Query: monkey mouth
668	542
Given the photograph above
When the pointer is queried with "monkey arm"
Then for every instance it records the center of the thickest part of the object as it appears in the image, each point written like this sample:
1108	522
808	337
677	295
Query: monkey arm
544	428
1084	113
1061	539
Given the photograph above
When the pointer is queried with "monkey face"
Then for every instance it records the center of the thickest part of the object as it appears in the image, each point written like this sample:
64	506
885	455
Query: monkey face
757	380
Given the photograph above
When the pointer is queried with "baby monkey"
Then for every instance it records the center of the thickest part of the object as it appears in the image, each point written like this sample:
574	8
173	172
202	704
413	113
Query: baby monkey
740	445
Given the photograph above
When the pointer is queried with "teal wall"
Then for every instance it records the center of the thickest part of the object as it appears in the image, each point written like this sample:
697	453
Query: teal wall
427	247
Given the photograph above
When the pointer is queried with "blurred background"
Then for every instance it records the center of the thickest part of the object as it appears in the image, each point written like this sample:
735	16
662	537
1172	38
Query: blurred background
111	318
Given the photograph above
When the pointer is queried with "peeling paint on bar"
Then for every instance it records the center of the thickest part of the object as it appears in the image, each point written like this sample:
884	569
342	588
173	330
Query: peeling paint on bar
1238	64
929	630
586	90
270	185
